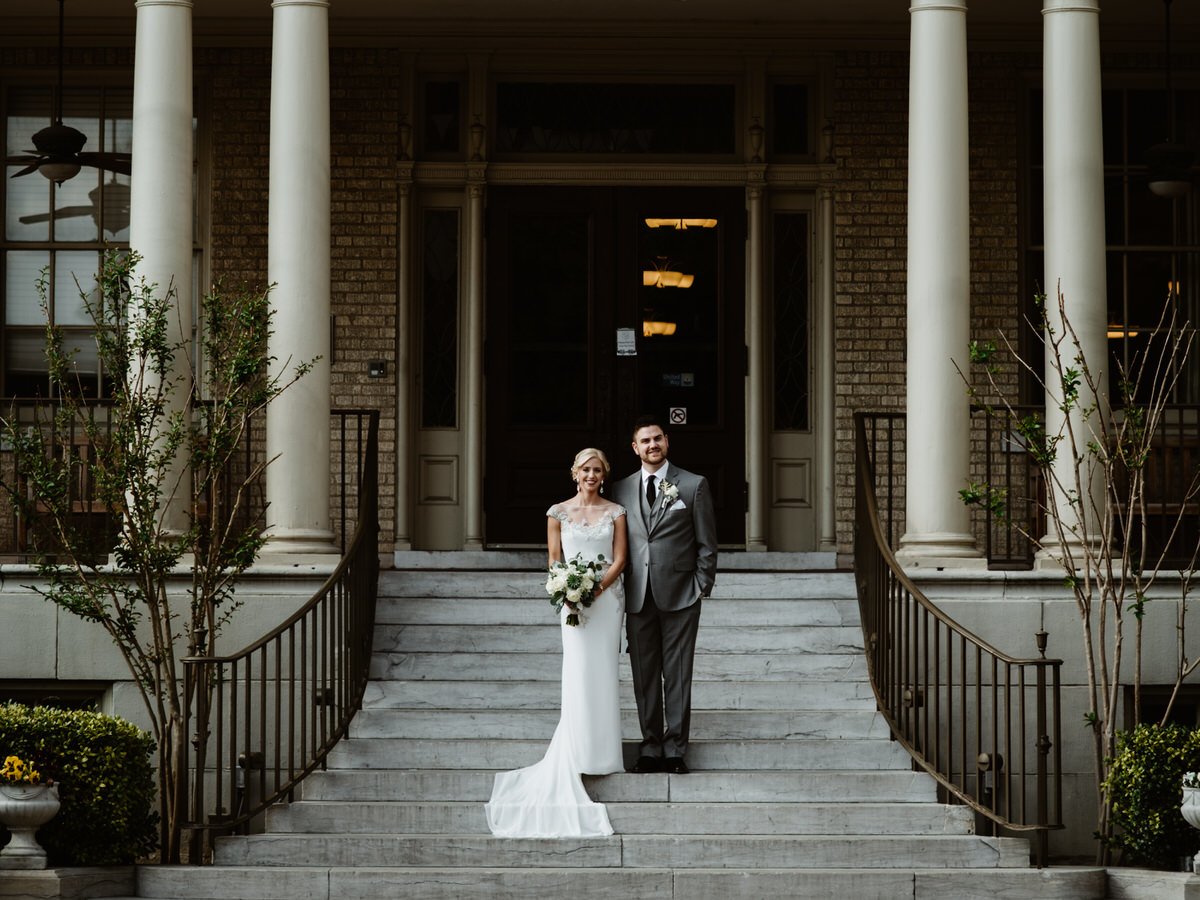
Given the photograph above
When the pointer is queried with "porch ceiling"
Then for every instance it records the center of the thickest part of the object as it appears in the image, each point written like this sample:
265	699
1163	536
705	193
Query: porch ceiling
883	18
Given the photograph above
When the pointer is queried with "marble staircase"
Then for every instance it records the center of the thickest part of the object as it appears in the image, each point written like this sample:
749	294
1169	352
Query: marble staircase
796	791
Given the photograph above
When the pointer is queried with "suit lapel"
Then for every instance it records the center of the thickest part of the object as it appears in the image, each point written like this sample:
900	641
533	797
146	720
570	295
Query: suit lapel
660	501
635	504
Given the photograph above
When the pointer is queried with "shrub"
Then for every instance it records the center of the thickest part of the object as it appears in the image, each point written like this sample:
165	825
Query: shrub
105	781
1144	787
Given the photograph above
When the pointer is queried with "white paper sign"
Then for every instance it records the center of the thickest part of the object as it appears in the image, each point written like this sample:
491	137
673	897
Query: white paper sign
626	342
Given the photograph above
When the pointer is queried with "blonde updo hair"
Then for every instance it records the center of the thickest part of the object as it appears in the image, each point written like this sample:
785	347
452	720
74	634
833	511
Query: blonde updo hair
589	453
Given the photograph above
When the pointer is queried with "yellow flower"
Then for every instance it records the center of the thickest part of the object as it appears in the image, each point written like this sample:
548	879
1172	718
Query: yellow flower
19	771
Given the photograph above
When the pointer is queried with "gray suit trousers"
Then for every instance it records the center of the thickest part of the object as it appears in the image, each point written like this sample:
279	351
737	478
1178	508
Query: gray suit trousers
665	642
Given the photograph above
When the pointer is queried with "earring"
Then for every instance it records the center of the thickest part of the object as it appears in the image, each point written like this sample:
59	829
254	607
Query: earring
602	487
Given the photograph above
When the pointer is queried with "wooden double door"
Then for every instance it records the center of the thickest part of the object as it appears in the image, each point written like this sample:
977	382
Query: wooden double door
605	304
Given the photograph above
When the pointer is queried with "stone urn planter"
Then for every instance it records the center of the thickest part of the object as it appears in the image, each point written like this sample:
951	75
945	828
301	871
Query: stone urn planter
25	808
1190	808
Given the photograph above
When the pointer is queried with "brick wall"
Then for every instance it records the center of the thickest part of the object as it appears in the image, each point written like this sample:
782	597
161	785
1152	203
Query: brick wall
871	145
364	90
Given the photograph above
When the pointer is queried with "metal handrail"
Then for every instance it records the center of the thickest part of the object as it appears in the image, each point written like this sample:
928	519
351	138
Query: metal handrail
959	706
1007	467
269	714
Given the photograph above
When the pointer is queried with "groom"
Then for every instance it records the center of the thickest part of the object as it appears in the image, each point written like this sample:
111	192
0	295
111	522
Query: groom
671	569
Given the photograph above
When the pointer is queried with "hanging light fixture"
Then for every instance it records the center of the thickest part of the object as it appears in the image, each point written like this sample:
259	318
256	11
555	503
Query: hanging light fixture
681	224
651	327
662	276
1169	162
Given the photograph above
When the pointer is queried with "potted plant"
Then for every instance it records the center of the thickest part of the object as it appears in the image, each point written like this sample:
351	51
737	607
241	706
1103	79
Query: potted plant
27	802
1190	807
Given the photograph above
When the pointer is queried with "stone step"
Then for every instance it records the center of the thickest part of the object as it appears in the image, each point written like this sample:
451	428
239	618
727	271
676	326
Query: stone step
706	695
546	666
815	611
311	883
517	585
540	723
626	851
461	817
816	562
513	639
801	755
699	787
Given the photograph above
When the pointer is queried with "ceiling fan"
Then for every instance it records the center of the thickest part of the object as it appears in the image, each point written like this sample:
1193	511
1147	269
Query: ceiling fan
59	154
115	200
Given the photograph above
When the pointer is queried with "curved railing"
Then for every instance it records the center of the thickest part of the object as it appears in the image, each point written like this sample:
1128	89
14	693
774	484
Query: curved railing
273	711
985	725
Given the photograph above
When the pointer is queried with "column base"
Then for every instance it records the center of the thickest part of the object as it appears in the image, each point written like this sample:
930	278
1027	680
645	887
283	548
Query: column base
940	550
292	542
1049	556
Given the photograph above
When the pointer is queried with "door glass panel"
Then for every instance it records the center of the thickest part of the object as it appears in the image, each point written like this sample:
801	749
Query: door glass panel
549	367
790	321
679	296
439	318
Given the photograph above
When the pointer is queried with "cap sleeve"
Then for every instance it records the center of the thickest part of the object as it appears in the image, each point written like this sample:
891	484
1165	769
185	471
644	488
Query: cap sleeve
618	512
554	512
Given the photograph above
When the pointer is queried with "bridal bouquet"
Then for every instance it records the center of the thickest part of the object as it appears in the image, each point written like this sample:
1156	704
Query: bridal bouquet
573	584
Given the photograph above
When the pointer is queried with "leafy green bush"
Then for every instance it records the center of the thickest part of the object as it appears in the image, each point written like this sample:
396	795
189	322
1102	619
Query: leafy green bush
105	782
1144	785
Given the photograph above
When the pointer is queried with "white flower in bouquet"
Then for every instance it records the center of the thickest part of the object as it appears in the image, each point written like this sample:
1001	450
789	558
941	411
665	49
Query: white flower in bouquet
557	579
573	584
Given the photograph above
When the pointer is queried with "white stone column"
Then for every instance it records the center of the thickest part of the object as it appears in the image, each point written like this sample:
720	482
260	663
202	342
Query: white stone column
1074	223
756	386
298	266
473	364
937	527
826	404
160	198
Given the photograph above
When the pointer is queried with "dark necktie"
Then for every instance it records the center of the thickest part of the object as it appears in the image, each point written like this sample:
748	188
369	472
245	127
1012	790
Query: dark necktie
650	490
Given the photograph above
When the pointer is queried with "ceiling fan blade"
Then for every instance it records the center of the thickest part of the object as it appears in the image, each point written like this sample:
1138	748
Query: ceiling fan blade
121	163
28	170
23	160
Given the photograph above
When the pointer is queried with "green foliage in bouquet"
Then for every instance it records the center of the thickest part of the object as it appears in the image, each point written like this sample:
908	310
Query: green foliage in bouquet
573	584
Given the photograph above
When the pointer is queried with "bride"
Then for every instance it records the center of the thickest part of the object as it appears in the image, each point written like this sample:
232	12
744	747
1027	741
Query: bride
547	799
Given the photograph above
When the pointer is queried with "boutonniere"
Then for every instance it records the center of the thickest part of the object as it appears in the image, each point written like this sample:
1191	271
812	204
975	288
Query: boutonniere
670	493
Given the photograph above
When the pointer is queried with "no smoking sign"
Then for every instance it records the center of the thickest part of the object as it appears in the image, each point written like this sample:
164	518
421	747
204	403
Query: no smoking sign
678	415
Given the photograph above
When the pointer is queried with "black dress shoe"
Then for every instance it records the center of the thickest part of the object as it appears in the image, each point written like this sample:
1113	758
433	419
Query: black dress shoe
675	765
647	764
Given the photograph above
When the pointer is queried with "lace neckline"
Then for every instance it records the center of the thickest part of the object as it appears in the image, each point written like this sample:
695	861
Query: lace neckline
585	517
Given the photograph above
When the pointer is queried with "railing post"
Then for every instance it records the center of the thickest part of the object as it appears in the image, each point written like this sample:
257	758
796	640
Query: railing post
195	685
1043	748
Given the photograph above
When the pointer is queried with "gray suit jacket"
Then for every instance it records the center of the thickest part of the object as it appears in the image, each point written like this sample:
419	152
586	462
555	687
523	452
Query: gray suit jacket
676	549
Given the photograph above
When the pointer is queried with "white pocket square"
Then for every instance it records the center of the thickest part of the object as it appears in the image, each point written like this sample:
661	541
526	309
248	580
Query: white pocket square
678	504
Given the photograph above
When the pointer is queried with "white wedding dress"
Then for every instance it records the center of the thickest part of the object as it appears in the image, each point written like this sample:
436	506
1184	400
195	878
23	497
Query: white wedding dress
547	799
